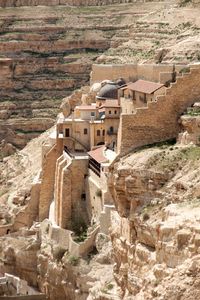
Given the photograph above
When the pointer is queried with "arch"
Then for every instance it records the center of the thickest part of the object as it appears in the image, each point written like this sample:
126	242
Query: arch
111	129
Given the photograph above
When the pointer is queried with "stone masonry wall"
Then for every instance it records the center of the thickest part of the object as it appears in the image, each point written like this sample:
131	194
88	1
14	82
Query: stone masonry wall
159	120
132	72
47	181
60	164
69	187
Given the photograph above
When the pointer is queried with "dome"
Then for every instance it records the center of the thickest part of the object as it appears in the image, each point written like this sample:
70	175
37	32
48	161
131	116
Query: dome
121	82
95	87
109	90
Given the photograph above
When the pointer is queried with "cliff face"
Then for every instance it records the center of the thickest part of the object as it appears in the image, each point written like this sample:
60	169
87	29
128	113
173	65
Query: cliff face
45	54
156	241
17	3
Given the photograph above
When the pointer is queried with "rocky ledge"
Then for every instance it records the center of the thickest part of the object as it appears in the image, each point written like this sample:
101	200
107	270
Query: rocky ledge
156	234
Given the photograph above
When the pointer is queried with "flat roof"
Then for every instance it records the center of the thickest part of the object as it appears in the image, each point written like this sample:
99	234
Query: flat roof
86	107
143	86
98	154
110	103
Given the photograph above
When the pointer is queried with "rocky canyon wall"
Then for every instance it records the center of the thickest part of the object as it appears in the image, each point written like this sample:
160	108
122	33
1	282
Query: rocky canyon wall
17	3
155	233
44	56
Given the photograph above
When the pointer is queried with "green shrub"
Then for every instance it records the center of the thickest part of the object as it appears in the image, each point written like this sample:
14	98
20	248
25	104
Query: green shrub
73	260
79	226
146	217
58	252
184	2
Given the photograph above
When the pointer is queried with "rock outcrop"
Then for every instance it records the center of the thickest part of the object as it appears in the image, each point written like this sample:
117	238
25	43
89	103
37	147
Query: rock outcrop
155	243
18	3
45	55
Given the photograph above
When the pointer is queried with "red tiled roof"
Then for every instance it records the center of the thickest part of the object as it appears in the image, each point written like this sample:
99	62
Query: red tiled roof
86	107
98	154
144	86
110	103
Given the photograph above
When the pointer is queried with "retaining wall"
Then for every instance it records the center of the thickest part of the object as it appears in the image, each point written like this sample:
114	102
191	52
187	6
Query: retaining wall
159	121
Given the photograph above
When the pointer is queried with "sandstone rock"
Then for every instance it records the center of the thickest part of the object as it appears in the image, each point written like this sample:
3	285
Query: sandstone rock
101	240
183	237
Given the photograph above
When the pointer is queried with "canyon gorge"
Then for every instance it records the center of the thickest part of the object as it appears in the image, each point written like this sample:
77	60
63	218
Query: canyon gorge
99	150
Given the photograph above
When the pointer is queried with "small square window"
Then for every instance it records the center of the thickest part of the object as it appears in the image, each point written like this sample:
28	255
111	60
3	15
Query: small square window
85	131
66	132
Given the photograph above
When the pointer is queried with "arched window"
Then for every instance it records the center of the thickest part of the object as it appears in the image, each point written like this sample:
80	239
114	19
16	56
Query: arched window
111	129
103	132
98	132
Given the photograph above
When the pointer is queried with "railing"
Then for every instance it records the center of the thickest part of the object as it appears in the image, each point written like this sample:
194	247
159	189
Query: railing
95	167
68	152
76	141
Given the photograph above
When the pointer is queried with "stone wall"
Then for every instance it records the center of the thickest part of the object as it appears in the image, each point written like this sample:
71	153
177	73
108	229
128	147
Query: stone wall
159	120
64	239
94	196
69	188
132	72
47	181
63	197
10	281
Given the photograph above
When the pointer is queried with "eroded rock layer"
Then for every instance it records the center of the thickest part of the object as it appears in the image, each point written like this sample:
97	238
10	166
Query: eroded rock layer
44	55
17	3
156	241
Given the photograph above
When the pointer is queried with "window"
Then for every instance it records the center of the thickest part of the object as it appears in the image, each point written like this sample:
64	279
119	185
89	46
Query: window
109	112
103	132
115	112
83	197
92	114
143	98
98	132
66	132
111	129
85	131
